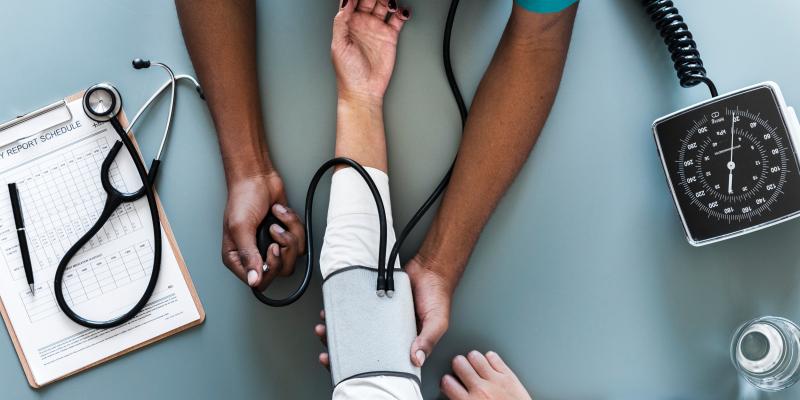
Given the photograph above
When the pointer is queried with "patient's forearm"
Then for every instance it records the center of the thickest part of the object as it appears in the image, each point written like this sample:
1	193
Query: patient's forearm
508	112
221	38
360	132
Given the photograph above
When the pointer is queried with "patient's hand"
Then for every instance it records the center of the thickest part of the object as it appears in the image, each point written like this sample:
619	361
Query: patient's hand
364	47
482	378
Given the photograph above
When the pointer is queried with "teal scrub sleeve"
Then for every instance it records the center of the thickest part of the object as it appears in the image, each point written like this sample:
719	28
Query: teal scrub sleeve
545	6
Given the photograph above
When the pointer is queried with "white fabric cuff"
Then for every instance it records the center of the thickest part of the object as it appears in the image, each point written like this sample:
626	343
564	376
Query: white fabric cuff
353	232
350	194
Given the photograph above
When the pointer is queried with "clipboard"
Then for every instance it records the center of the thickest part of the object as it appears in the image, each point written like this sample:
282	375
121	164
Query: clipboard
34	123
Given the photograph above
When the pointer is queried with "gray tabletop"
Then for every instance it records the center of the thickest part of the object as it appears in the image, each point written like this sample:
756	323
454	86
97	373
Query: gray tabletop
582	279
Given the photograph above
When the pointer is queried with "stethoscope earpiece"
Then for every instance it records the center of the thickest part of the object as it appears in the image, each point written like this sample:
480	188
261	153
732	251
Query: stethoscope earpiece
138	63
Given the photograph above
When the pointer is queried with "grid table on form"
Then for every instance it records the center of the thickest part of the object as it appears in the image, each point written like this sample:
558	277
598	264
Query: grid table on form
62	196
56	212
91	278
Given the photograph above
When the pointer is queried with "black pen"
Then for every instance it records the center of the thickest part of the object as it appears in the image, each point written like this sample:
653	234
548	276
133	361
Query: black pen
23	241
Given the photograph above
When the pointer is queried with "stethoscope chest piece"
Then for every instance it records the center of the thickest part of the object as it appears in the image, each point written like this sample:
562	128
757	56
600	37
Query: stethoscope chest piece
102	102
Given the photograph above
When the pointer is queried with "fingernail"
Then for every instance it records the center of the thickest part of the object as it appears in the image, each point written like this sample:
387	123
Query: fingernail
344	3
278	228
279	208
420	357
252	276
276	251
406	13
392	5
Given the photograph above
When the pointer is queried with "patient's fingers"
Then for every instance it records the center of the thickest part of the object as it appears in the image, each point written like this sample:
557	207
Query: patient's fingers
453	389
464	371
321	331
346	7
497	363
481	364
288	251
398	19
325	360
293	224
365	5
381	9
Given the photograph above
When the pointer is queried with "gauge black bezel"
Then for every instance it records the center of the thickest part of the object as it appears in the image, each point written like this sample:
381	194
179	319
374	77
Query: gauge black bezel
787	121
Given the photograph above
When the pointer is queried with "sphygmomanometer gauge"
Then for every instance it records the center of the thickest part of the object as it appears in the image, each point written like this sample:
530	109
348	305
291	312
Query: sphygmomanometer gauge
731	163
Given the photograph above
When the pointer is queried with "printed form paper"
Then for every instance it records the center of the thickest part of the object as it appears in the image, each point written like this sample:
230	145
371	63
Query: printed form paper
58	175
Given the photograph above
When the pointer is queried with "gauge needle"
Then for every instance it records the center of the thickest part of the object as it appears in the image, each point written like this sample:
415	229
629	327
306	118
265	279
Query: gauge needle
731	164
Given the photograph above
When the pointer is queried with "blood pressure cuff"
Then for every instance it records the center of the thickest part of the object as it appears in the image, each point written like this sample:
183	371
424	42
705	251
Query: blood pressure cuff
368	335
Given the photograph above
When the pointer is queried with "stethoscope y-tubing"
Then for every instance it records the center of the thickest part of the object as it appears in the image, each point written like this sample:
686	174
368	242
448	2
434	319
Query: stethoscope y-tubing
309	228
385	283
113	200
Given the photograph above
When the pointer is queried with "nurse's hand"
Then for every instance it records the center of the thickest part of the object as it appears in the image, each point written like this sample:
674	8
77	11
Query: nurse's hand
249	200
433	295
364	47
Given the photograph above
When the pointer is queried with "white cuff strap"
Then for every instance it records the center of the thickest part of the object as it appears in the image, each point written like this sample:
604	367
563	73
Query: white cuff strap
368	335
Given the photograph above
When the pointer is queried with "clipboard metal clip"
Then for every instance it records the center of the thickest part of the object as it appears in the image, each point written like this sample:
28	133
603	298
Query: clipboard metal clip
34	122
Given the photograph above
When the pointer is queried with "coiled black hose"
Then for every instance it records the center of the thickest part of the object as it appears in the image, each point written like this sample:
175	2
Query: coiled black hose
680	43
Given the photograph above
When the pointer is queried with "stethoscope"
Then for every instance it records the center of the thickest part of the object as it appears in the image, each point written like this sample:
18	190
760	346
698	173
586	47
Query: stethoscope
102	103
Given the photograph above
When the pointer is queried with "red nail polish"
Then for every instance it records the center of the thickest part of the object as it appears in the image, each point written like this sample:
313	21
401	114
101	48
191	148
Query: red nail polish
344	3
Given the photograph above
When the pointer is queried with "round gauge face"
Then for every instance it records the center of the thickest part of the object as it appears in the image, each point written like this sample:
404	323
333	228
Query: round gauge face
733	171
731	164
101	101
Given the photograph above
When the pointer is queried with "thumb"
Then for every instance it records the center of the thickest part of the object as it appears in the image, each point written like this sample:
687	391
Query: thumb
346	8
434	325
244	236
340	30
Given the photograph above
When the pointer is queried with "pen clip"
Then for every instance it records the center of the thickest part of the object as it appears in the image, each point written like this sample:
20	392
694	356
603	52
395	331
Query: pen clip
16	206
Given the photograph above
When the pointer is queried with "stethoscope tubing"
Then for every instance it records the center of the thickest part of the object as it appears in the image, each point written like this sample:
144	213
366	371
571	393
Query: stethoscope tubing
158	93
113	200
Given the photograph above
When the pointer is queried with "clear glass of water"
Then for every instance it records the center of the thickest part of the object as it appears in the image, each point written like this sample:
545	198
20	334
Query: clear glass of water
766	352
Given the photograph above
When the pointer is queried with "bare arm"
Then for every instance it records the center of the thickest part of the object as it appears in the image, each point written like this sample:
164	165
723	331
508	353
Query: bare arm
221	38
507	114
363	50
